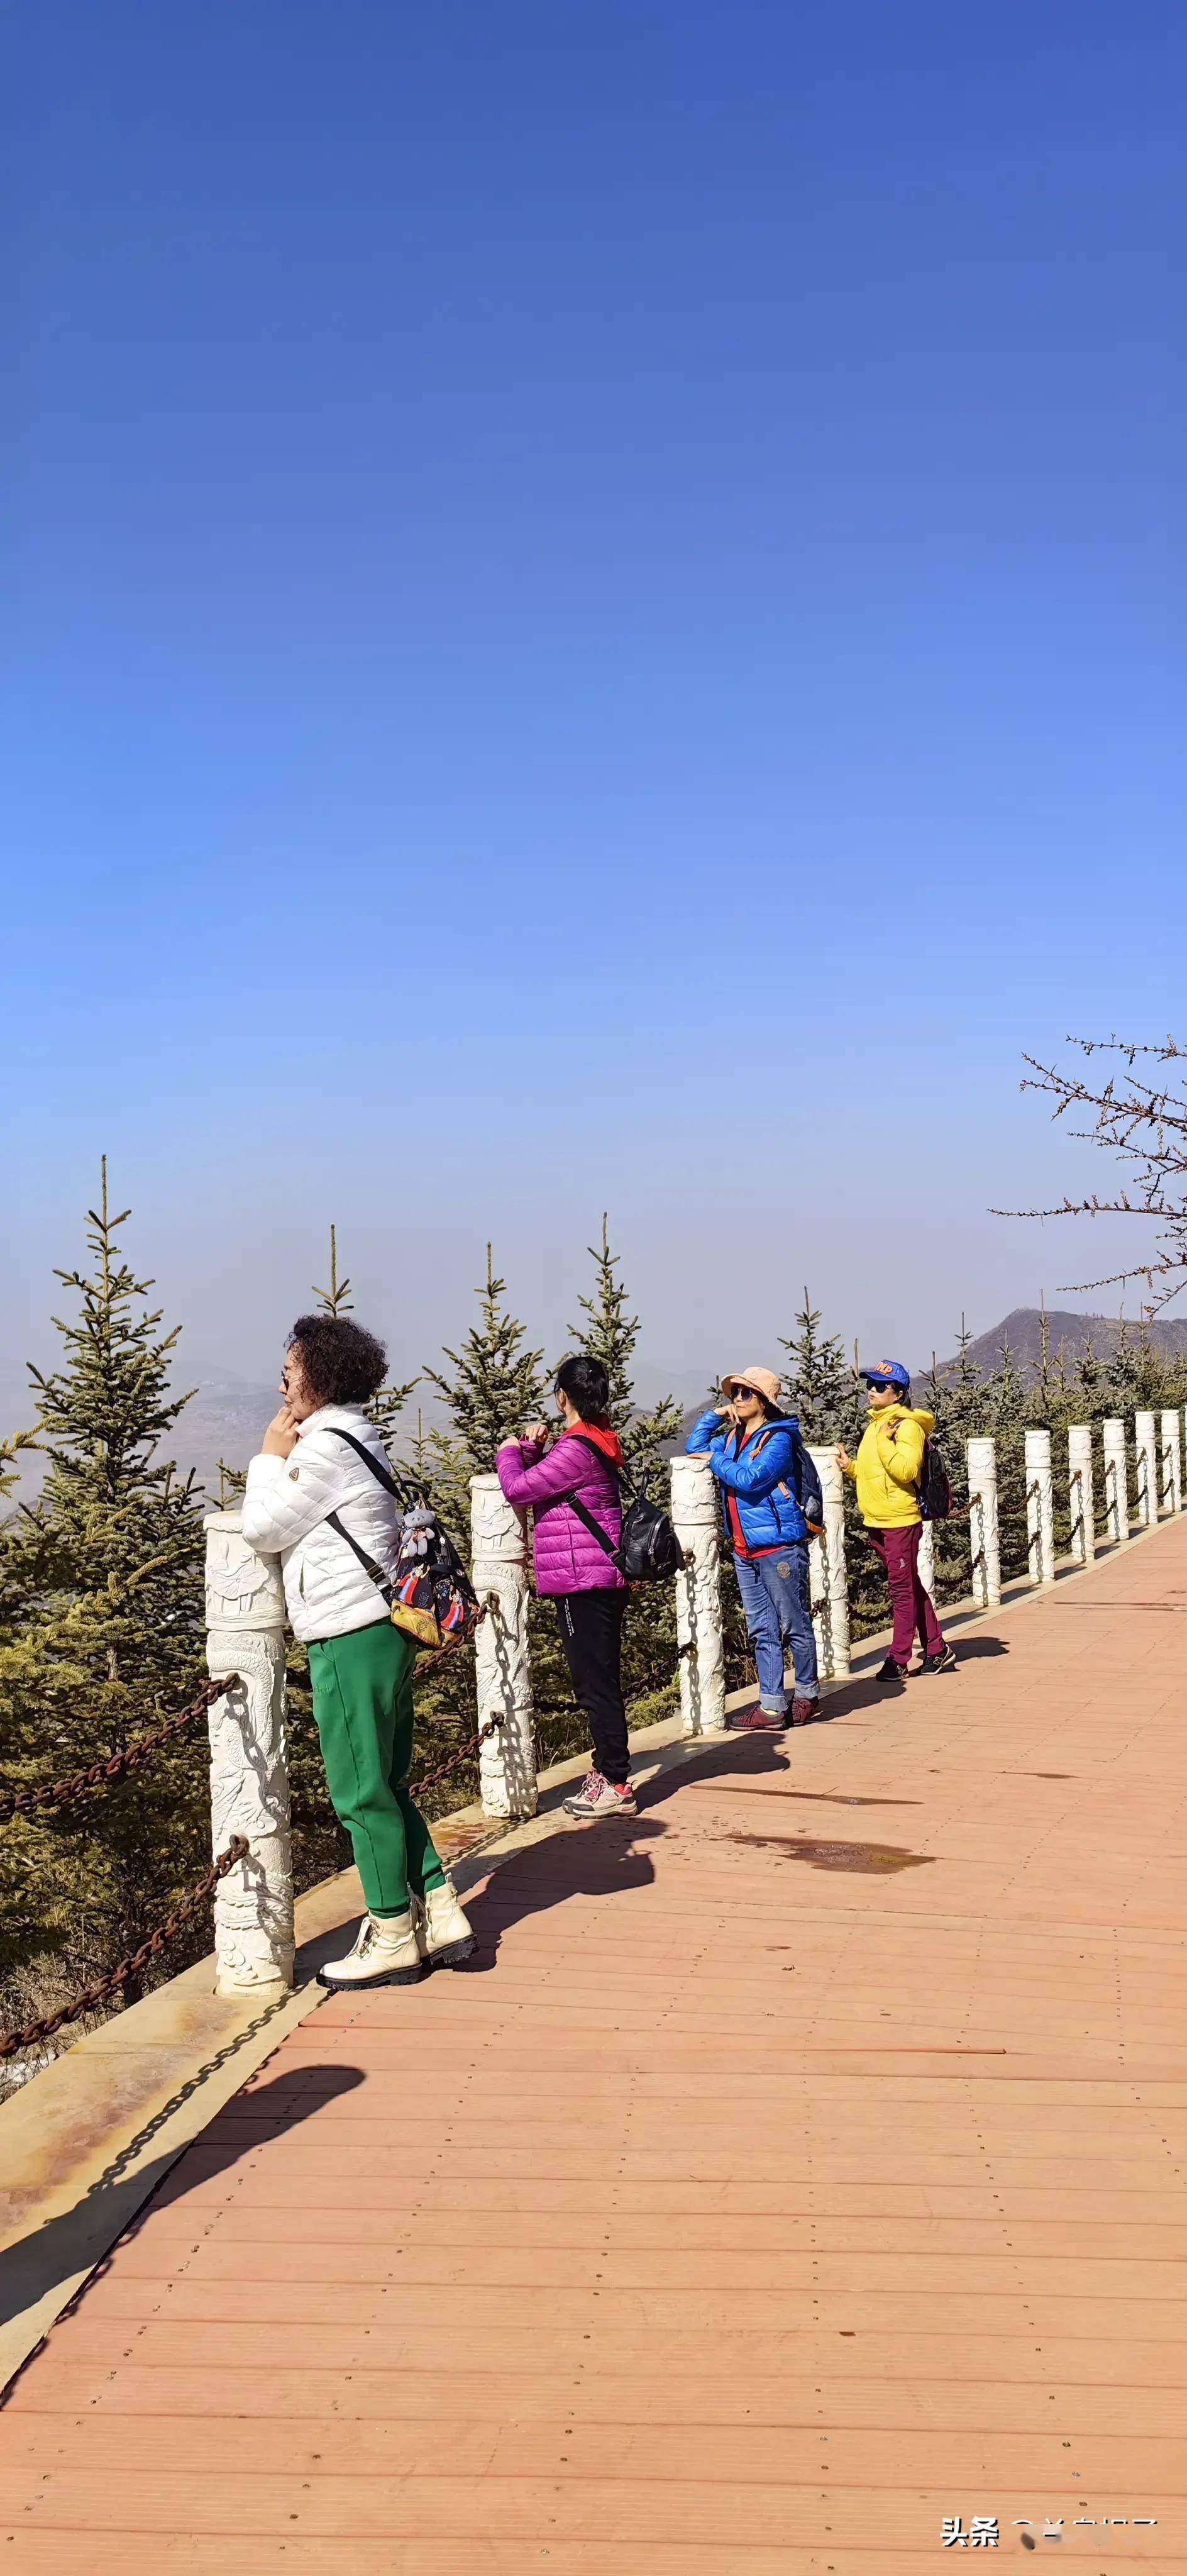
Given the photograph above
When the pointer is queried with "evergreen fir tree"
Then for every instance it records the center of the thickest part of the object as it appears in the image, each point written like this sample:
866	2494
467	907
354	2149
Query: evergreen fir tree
385	1407
958	1401
232	1483
609	1334
103	1623
419	1454
496	1384
822	1388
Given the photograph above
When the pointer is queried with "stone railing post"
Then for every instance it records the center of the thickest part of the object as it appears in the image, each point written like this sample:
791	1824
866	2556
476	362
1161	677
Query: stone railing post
249	1788
1172	1464
927	1558
1082	1501
983	1528
696	1519
826	1559
1040	1505
1116	1480
503	1673
1147	1469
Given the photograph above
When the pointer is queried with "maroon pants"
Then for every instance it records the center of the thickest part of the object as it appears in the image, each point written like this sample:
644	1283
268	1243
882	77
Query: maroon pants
911	1607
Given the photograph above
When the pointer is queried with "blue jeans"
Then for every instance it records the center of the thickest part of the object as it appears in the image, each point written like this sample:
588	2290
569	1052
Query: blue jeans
776	1602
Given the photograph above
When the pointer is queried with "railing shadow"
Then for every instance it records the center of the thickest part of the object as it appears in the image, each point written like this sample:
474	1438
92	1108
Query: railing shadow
80	2237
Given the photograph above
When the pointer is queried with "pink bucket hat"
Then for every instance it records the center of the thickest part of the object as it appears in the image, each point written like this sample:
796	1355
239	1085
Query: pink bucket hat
762	1381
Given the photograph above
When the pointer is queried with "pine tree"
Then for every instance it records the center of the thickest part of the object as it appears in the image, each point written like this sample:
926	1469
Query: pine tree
103	1623
385	1407
496	1384
419	1453
822	1388
609	1334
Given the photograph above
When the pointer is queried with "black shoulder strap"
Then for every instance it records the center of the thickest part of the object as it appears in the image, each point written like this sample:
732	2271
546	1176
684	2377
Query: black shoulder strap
594	1527
622	1475
382	1475
380	1580
576	1505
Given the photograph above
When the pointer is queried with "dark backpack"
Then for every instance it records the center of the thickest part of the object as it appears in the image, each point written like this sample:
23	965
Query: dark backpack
805	1487
649	1549
808	1494
934	1488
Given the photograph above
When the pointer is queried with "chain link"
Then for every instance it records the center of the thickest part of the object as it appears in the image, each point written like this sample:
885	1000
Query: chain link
35	2031
59	1793
468	1753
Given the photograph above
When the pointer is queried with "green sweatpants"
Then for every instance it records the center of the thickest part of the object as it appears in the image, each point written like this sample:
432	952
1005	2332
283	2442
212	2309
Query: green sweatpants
362	1701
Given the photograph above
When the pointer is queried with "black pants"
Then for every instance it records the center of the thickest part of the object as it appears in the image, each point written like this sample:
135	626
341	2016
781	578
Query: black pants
591	1634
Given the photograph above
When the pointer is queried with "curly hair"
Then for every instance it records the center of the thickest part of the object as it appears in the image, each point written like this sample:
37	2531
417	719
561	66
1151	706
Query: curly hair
343	1364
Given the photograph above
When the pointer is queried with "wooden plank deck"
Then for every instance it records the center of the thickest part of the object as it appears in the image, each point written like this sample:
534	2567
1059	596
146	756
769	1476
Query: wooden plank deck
746	2212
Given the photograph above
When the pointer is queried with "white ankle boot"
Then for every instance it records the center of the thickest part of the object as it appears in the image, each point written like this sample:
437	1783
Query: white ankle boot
443	1930
386	1953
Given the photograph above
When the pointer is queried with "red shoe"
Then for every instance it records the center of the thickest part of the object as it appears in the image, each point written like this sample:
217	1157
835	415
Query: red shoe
759	1721
803	1711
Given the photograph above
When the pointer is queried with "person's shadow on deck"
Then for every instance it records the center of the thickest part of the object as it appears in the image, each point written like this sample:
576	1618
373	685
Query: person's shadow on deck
80	2237
604	1859
591	1860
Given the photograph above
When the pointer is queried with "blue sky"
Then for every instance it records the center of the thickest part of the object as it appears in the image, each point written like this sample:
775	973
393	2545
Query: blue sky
592	625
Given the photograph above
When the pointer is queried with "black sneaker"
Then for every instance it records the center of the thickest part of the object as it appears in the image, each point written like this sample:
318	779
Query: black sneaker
945	1663
892	1672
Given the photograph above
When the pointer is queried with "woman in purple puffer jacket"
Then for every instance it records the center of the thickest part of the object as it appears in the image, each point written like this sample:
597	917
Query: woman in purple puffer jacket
576	1567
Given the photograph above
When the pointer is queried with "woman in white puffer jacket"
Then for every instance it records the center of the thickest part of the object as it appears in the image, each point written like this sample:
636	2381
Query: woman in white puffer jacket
321	1457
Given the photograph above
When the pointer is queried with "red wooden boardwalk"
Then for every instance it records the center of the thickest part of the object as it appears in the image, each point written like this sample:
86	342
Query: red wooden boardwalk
805	2166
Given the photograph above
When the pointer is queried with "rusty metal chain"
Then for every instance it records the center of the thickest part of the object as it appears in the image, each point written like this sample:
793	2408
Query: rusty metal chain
59	1793
467	1753
35	2031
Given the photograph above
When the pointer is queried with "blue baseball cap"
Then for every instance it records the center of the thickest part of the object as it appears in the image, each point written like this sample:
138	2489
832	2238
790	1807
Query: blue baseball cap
887	1373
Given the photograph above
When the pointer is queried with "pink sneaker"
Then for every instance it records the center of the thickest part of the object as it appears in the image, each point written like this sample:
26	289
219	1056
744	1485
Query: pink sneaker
598	1797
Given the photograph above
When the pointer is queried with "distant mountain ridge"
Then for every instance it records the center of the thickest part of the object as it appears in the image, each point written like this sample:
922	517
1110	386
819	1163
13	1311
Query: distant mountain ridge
227	1415
1070	1333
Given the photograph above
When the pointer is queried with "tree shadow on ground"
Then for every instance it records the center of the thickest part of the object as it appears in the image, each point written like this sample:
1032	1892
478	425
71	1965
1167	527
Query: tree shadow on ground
80	2238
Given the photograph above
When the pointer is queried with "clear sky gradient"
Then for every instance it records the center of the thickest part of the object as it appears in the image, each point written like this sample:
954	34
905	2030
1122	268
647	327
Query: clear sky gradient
593	623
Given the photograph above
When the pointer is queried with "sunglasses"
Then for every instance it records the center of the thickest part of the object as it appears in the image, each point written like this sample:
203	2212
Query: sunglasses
736	1393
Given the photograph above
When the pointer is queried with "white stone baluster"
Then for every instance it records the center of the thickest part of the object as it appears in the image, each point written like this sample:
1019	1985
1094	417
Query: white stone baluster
1116	1479
249	1789
927	1558
503	1673
1172	1464
1040	1506
696	1519
983	1527
1082	1501
826	1562
1146	1446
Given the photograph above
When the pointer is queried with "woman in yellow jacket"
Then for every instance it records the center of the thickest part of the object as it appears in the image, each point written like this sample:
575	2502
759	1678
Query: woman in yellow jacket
887	1470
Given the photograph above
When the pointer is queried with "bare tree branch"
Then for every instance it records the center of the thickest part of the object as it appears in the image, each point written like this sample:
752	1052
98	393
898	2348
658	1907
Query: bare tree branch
1145	1124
